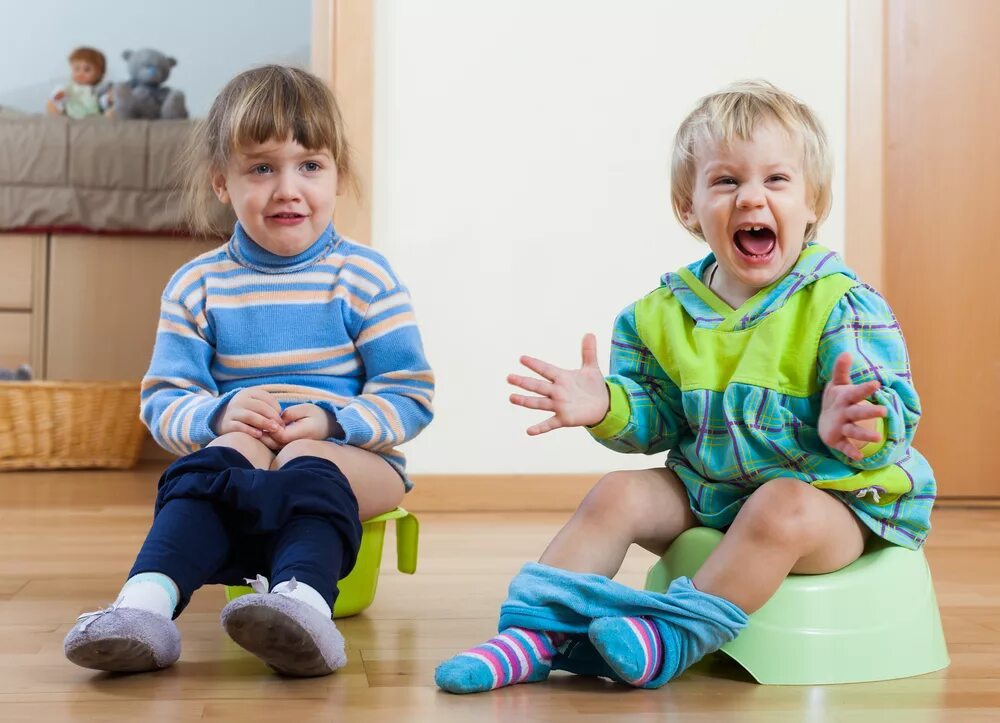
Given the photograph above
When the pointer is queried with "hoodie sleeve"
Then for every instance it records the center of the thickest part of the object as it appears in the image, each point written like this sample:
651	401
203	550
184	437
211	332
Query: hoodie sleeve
646	410
863	325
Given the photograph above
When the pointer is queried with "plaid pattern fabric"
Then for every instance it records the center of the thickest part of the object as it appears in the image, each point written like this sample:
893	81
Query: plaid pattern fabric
723	445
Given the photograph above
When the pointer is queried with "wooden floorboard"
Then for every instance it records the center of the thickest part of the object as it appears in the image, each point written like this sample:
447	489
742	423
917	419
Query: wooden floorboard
67	539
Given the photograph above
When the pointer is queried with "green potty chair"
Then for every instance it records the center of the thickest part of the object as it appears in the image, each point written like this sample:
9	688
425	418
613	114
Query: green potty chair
357	590
876	619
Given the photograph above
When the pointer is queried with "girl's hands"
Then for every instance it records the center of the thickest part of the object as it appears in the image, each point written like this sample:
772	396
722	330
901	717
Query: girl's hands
253	411
303	421
576	397
846	421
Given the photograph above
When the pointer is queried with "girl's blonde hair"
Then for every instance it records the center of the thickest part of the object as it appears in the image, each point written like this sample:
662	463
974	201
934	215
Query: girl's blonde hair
735	112
273	102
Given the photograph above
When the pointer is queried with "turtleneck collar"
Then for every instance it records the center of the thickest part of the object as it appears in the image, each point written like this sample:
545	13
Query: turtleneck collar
245	251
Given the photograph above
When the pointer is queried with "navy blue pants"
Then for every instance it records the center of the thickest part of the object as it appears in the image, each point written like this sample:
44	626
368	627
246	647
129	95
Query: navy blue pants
218	519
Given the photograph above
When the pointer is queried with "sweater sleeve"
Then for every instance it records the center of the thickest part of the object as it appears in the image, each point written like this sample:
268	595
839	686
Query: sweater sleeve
179	396
395	403
863	325
646	412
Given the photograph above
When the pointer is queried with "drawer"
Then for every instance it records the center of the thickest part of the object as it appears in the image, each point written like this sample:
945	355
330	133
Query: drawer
17	271
15	338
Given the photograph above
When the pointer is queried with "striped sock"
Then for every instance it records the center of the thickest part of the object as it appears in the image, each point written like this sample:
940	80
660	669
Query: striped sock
514	656
631	646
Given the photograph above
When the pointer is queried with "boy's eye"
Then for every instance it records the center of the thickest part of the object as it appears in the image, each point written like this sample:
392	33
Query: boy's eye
261	169
724	181
773	179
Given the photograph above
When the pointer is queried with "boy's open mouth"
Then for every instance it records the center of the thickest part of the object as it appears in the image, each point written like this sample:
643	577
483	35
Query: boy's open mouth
756	242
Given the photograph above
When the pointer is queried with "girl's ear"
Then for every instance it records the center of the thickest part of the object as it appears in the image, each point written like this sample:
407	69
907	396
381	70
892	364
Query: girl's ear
219	186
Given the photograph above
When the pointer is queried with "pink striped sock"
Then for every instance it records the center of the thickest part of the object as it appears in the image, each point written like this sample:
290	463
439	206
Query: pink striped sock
514	656
631	646
649	640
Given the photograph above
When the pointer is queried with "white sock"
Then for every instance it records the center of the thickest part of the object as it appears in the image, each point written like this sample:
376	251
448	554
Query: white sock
300	591
151	591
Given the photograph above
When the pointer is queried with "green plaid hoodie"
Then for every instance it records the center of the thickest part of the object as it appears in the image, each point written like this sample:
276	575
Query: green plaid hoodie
735	394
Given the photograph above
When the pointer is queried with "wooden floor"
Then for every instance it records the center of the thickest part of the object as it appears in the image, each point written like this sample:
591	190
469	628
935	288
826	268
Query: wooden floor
67	539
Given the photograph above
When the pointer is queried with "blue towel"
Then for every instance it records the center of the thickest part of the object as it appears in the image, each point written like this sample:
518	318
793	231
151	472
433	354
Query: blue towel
691	623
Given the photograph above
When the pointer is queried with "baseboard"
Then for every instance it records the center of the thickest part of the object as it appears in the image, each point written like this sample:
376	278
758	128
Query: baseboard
498	492
545	493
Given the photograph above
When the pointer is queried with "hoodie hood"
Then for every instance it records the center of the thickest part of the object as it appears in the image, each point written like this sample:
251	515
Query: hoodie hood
814	263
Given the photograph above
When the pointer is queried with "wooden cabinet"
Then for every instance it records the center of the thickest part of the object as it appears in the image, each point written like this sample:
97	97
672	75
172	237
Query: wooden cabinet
22	301
104	301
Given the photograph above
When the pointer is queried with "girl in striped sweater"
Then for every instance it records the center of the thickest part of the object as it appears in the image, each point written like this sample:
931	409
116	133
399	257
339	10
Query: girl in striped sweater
287	369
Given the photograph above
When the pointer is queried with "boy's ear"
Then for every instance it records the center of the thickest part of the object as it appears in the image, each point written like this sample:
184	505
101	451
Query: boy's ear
691	221
219	186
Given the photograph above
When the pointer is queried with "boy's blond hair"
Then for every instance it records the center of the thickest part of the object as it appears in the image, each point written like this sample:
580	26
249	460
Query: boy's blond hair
735	112
273	102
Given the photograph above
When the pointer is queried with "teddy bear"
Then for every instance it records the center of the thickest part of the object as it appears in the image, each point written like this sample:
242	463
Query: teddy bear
144	95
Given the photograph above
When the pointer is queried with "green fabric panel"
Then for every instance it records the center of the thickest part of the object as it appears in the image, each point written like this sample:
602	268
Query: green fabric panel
891	478
777	353
617	417
874	447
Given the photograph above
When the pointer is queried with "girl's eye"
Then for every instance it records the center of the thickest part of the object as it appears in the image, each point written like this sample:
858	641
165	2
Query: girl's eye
311	166
773	179
261	169
724	181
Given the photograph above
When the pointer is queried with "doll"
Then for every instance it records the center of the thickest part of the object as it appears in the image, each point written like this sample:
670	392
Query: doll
83	96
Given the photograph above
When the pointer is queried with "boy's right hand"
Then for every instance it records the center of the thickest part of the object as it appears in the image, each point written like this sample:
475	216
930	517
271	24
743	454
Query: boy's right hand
576	397
252	411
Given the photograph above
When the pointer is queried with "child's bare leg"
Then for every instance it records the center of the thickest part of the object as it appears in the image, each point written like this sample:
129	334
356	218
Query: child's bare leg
646	507
251	448
376	485
785	526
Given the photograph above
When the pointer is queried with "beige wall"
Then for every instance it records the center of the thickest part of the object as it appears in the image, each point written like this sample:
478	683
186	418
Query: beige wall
520	182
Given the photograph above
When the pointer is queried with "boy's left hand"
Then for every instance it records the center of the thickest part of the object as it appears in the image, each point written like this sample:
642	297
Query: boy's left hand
302	421
843	421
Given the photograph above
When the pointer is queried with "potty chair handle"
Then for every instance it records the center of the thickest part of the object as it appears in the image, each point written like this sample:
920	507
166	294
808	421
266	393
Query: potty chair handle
407	536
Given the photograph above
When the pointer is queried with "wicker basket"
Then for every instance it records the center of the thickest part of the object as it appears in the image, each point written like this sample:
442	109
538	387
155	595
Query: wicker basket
54	425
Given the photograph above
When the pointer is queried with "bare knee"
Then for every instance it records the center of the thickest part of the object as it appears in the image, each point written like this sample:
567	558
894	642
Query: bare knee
781	512
615	501
251	448
305	448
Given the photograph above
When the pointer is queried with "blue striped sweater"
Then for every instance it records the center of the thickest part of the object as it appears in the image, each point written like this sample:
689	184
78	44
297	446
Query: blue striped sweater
332	326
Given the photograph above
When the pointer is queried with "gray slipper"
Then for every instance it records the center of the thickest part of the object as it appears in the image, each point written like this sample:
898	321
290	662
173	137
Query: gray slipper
289	635
123	640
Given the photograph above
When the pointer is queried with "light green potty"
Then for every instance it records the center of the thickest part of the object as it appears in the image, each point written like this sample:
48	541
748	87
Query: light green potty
876	619
357	590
